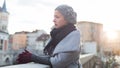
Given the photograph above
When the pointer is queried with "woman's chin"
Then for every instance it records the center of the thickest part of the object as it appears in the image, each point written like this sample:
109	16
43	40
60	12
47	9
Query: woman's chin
56	27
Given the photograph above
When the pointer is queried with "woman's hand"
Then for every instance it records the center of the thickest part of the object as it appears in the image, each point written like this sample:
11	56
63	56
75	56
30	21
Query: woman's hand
24	57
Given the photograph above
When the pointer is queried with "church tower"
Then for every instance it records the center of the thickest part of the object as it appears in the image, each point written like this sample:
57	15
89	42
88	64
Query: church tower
4	35
4	18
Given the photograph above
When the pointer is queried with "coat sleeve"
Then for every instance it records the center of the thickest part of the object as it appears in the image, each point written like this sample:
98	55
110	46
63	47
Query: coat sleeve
41	59
63	59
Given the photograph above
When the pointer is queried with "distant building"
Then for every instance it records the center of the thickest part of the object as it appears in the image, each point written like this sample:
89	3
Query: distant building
19	40
5	55
32	38
32	41
10	42
90	32
42	41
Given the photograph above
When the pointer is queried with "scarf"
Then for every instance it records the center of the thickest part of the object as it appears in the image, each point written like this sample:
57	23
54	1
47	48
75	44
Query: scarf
56	36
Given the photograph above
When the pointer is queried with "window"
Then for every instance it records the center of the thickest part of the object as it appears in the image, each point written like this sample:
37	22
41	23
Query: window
93	28
1	44
3	27
0	28
4	18
0	17
5	45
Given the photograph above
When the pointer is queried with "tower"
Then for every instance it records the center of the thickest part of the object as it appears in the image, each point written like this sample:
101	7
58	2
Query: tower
3	27
4	36
4	18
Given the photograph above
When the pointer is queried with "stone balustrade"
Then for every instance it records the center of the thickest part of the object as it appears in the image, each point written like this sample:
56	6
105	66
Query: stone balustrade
87	61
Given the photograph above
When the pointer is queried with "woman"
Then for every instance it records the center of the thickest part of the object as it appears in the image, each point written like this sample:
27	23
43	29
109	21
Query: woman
63	50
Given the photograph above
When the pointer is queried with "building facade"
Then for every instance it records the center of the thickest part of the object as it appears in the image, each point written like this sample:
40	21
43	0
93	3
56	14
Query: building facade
5	55
30	41
33	45
90	32
32	36
19	40
42	41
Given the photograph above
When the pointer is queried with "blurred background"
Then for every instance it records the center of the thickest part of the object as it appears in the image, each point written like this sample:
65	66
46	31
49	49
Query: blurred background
25	24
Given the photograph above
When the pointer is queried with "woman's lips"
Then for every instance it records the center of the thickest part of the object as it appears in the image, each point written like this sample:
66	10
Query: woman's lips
55	24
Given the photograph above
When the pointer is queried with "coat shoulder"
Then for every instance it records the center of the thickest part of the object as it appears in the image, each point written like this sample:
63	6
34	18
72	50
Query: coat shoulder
70	43
75	33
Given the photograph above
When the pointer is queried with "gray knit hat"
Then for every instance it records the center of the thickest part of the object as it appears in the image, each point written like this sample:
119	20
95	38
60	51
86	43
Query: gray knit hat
68	13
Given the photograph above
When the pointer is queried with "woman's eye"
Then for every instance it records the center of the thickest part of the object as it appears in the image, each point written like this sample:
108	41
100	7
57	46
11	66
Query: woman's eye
56	16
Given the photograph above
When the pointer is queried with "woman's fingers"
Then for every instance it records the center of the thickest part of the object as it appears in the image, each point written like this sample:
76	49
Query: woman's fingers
26	51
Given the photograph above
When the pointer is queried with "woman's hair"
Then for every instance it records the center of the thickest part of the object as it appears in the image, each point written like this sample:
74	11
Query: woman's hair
69	14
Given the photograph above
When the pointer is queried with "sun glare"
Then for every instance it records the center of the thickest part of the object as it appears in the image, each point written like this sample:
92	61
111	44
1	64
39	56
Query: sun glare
111	35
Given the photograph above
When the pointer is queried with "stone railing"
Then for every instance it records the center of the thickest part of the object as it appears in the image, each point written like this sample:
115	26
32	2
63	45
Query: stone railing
87	61
29	65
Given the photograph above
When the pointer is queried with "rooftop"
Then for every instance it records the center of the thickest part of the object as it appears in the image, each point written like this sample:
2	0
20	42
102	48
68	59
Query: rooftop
80	22
3	32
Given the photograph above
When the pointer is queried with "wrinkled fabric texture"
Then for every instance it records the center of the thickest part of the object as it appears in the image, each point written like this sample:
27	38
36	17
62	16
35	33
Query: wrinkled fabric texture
56	36
68	13
24	57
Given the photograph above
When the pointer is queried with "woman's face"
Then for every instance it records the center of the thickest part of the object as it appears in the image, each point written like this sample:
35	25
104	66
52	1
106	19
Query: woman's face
59	20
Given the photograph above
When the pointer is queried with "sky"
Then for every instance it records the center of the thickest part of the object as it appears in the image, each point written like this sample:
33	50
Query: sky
29	15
